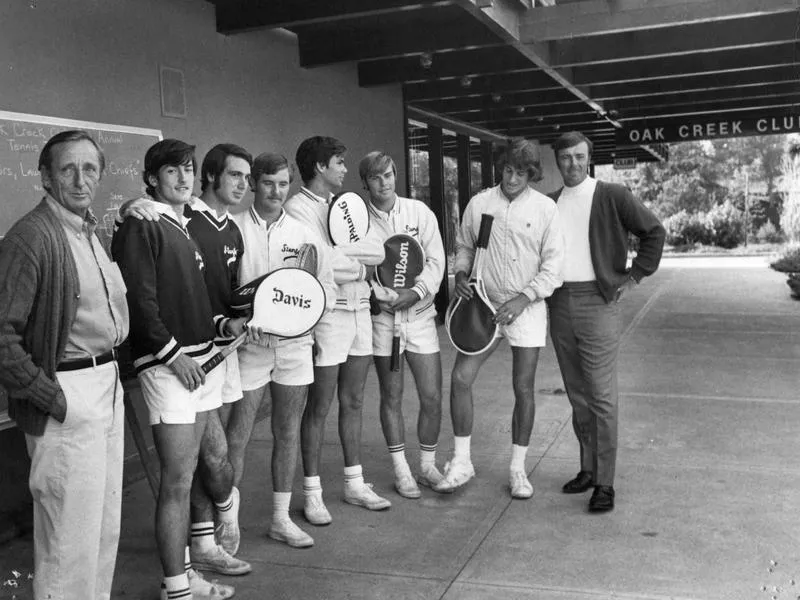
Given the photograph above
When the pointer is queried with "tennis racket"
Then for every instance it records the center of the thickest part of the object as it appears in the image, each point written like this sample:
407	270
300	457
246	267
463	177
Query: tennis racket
470	322
399	270
287	302
348	219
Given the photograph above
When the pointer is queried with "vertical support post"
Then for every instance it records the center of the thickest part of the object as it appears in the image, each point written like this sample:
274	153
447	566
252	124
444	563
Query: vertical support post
487	165
746	205
464	172
436	167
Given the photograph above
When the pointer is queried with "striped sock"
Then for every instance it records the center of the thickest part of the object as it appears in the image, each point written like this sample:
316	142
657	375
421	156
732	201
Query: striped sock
427	455
226	505
398	454
178	587
203	536
187	560
353	476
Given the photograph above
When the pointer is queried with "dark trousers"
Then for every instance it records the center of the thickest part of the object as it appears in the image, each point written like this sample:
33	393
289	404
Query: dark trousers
586	333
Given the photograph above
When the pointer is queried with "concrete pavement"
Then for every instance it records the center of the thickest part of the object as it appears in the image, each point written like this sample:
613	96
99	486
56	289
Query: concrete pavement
707	499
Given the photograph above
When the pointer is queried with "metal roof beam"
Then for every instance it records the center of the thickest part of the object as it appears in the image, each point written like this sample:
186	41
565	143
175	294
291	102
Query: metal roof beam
772	30
601	17
237	16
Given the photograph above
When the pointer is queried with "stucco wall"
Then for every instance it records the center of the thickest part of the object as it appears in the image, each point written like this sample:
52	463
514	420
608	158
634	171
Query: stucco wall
98	60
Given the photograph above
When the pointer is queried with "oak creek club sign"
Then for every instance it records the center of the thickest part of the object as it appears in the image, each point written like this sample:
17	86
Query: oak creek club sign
685	130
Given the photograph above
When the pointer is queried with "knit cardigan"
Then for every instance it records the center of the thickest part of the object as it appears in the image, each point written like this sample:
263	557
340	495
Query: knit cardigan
615	213
39	291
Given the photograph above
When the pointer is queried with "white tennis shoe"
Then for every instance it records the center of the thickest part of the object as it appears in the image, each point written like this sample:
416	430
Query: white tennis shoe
521	488
362	495
456	473
429	476
287	531
315	510
406	486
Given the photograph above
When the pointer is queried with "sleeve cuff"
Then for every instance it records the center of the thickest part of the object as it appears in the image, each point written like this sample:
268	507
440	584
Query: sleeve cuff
530	294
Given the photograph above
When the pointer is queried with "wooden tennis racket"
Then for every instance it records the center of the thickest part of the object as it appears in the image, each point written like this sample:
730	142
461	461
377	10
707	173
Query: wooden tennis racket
288	302
404	261
348	219
470	322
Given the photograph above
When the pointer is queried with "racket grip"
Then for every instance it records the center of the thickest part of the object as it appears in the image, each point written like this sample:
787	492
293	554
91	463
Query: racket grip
220	356
485	230
395	361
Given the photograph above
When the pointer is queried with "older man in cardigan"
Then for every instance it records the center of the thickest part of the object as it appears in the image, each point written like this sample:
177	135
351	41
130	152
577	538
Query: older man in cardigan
62	316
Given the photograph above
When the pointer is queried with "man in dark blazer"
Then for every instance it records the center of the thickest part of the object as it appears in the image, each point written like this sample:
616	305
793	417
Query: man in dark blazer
596	218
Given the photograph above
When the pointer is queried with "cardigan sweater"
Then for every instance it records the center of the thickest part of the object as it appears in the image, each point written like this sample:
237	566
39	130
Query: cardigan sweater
614	214
39	291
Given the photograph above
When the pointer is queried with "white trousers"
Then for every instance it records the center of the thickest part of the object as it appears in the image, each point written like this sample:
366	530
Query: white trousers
76	483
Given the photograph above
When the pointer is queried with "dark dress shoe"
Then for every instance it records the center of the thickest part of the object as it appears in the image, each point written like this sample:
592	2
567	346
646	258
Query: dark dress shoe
602	500
580	484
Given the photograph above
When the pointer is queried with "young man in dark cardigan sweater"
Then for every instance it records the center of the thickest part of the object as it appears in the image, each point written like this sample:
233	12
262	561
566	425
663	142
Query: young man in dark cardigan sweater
596	218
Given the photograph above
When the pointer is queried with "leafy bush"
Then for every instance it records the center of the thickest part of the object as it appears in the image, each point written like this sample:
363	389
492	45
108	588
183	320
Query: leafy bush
726	223
686	229
769	234
789	261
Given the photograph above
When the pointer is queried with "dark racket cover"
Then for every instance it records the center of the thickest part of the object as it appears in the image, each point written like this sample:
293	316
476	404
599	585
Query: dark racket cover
470	323
404	261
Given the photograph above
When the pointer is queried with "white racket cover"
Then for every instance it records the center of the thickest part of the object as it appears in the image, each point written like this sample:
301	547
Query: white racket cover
288	302
348	219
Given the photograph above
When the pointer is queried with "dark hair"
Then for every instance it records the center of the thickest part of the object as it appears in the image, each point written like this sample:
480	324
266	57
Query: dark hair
269	163
71	135
570	139
214	163
315	150
166	152
522	155
374	163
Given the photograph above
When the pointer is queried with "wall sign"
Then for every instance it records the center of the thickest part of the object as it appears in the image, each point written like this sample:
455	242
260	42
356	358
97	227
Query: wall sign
703	128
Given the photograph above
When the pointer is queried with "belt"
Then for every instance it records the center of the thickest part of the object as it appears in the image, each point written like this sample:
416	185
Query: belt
86	363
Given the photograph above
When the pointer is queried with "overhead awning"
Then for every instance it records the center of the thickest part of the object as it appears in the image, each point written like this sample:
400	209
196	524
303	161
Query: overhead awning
536	68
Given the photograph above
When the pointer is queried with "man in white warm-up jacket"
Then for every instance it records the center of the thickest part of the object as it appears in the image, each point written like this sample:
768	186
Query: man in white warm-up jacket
415	313
522	268
343	338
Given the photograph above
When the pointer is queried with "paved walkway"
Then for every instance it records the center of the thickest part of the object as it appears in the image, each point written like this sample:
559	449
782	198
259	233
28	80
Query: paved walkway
707	500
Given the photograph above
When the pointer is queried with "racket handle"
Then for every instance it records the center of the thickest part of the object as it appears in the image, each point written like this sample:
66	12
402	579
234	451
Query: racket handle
395	361
220	356
485	231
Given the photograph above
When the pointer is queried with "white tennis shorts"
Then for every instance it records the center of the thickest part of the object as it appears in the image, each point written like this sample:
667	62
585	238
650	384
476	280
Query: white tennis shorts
167	399
288	364
232	386
418	336
342	333
529	329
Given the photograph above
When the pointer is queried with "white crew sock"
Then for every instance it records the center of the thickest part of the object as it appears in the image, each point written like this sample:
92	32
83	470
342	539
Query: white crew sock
312	486
353	477
203	536
462	450
280	505
399	462
177	586
518	458
427	455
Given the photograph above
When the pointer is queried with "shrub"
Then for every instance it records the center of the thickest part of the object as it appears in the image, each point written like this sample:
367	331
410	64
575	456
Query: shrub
788	262
685	229
726	223
769	234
